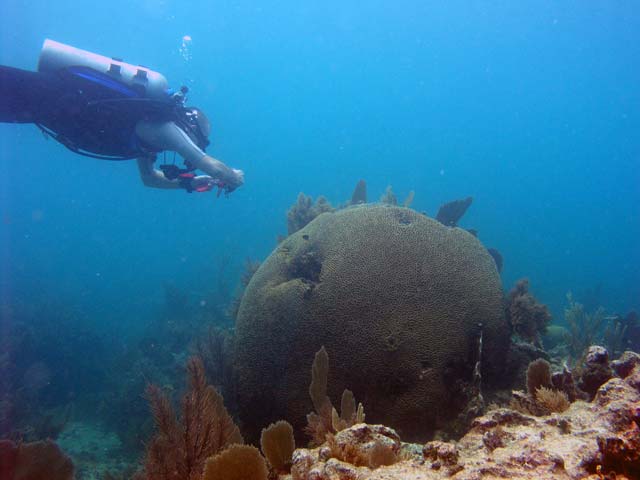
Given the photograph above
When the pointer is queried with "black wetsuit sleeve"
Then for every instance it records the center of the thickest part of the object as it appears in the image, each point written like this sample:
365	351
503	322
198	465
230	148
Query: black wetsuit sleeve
24	94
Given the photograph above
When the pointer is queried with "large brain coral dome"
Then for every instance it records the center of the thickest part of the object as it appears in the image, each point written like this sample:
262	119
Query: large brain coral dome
396	298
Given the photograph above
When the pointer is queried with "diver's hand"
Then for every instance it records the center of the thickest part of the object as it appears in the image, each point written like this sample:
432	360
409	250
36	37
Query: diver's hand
234	180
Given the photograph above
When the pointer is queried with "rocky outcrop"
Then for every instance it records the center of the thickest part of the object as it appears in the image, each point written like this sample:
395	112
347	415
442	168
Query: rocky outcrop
589	440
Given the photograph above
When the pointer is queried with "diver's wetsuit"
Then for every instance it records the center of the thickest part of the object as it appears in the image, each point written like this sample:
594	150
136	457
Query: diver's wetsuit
85	110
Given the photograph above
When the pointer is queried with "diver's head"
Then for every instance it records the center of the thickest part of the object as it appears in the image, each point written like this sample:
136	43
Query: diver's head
197	126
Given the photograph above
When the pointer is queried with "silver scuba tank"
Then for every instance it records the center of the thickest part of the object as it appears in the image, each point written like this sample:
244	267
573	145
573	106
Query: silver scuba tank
55	56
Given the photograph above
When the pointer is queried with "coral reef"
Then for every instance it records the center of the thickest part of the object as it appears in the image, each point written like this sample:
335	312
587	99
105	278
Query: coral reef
42	460
394	296
527	317
180	446
304	210
595	370
450	213
542	396
588	440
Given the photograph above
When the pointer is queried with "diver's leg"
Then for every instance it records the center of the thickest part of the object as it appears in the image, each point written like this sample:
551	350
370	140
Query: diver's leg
23	94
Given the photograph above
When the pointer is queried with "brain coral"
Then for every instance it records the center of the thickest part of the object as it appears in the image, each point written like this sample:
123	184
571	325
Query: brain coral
395	297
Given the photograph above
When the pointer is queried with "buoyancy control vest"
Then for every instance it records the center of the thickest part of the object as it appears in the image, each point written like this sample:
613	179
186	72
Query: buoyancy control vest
100	100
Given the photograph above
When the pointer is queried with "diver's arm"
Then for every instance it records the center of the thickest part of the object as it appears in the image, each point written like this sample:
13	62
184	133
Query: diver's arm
154	178
168	136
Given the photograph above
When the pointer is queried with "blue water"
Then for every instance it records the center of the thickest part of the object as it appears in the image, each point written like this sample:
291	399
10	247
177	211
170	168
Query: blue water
532	108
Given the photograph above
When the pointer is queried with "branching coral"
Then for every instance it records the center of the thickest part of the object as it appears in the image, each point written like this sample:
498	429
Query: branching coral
584	327
527	317
180	446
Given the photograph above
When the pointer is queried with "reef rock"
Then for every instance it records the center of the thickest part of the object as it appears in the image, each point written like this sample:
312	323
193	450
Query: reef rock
594	440
596	370
397	299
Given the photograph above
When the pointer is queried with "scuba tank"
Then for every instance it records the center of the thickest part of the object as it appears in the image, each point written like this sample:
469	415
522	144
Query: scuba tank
56	56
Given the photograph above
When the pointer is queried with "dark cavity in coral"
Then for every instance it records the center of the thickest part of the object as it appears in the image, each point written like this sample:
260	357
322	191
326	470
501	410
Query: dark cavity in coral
307	266
403	217
451	213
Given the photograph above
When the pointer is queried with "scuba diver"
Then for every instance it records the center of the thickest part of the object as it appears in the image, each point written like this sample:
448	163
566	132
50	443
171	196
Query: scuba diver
104	108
